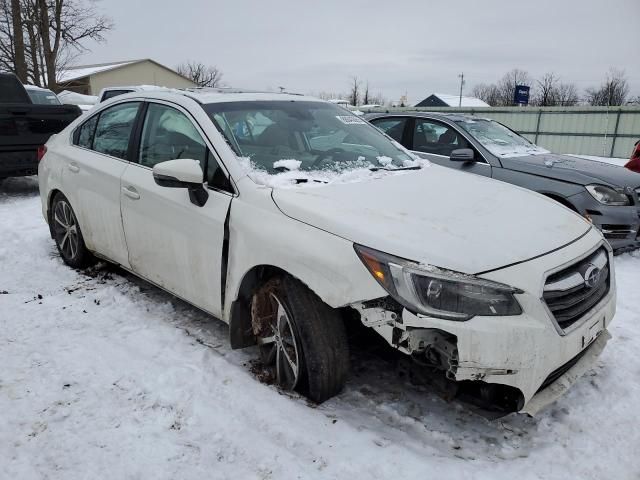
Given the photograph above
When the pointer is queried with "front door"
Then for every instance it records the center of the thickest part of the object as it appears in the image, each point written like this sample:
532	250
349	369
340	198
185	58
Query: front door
436	140
172	242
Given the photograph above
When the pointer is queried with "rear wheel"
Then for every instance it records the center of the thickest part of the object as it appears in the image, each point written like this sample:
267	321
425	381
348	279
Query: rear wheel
67	234
302	340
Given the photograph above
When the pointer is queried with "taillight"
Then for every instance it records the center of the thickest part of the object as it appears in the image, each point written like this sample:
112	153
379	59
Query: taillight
41	151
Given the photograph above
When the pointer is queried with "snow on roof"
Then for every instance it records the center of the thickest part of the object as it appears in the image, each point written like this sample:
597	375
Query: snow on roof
73	98
454	100
74	73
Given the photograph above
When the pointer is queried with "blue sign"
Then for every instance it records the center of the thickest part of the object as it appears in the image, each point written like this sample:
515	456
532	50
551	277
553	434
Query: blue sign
521	95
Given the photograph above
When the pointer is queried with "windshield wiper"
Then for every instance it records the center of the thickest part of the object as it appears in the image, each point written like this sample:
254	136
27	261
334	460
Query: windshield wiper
375	169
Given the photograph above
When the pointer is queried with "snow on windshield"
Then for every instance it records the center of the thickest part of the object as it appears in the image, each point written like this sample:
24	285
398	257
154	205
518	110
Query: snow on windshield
304	136
292	177
498	139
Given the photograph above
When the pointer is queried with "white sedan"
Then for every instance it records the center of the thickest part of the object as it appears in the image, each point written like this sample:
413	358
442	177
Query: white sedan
286	217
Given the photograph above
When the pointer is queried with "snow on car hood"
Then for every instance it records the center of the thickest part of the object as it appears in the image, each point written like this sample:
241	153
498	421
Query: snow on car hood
438	216
573	169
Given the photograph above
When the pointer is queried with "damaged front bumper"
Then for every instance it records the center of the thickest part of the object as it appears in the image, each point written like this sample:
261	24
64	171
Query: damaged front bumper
525	357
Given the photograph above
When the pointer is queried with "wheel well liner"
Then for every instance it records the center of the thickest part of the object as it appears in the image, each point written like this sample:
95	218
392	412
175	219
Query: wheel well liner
240	331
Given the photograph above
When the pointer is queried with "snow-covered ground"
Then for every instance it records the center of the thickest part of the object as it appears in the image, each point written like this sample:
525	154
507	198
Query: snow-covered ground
104	376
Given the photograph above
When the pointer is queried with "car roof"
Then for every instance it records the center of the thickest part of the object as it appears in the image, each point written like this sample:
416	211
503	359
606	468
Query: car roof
442	115
218	95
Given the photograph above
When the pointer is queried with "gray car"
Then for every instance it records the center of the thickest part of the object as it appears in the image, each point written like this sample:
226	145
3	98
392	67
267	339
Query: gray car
605	194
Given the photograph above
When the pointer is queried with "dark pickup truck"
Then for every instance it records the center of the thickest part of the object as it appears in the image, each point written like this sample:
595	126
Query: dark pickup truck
24	127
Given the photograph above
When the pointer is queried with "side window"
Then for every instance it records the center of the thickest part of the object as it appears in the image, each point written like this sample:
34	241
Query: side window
168	134
114	129
394	127
437	138
84	135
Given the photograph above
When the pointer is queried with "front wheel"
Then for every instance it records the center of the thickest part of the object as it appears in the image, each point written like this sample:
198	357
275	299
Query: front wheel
67	235
301	339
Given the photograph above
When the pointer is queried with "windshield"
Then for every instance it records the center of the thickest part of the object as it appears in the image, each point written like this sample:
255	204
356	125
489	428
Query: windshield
498	139
279	136
43	97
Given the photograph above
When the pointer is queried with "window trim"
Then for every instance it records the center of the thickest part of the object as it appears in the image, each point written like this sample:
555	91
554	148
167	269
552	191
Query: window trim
212	151
405	130
76	131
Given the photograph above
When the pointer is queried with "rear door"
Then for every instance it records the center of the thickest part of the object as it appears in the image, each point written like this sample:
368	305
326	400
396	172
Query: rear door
92	168
172	242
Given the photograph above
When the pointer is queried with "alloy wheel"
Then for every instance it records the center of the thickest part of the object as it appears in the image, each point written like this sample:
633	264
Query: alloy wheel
65	228
279	344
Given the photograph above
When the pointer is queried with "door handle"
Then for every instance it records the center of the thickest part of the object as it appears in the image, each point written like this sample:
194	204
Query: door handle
131	193
74	168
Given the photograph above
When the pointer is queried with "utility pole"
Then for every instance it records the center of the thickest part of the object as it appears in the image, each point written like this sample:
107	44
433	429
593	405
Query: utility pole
461	77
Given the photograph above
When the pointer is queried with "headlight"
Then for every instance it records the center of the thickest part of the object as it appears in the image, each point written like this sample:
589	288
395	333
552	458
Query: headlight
608	195
439	293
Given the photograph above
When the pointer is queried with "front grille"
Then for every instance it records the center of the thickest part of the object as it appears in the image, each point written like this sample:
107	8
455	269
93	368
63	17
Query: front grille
574	291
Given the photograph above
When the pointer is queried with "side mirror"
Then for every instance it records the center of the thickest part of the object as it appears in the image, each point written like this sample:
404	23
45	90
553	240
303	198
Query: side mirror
182	173
462	155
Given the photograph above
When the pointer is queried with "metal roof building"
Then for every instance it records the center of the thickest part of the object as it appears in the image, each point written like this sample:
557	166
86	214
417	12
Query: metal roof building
90	79
444	100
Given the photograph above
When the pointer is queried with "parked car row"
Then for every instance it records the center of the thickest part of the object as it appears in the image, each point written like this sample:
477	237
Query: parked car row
286	216
605	194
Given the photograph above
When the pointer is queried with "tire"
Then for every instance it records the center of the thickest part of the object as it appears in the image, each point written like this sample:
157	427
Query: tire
311	339
67	234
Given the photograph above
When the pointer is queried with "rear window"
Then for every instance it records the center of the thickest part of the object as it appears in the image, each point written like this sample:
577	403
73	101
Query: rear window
12	91
114	93
43	97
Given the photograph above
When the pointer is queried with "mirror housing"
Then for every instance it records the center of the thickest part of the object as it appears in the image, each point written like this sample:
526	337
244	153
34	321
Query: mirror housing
182	173
462	155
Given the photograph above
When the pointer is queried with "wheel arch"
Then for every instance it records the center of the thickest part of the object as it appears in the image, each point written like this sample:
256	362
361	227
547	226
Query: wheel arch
560	199
51	195
240	330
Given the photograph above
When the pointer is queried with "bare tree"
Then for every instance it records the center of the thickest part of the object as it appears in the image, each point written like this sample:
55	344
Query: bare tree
18	41
201	74
546	93
354	93
377	99
507	85
366	99
488	93
613	91
567	95
53	33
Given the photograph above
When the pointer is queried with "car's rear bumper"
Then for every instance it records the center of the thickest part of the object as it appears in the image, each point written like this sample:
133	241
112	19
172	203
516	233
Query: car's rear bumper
18	162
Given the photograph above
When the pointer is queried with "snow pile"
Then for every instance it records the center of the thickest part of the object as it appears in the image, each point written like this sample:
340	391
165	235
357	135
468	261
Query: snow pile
293	178
384	160
105	376
510	151
289	164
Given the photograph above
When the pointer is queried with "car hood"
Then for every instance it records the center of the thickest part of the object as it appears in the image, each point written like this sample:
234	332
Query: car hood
437	216
573	169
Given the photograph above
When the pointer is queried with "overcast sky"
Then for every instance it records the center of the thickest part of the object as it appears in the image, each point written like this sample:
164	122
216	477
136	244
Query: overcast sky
413	46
